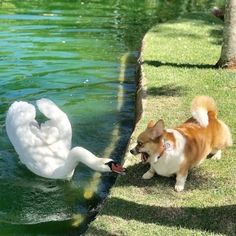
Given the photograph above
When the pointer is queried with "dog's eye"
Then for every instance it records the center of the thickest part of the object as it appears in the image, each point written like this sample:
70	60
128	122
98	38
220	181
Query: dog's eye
140	143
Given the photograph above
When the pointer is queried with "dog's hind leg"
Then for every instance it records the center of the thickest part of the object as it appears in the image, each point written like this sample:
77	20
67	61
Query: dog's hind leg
180	182
181	177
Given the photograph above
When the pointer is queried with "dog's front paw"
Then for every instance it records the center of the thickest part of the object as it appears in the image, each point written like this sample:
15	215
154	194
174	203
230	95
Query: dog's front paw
179	188
217	155
147	175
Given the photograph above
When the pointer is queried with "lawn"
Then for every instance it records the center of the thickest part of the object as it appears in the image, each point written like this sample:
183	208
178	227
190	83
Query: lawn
177	64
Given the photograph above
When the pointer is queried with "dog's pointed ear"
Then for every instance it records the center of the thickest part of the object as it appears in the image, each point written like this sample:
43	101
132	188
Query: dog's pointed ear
158	129
151	123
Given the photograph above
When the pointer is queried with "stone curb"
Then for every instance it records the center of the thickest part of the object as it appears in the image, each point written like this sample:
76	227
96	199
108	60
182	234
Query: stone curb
141	95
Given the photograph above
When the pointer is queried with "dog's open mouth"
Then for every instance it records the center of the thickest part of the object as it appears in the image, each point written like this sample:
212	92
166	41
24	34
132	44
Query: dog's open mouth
144	157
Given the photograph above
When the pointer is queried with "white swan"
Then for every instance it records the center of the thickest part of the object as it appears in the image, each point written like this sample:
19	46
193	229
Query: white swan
46	149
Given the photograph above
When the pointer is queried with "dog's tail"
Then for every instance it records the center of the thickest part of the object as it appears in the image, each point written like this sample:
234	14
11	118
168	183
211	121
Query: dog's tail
203	108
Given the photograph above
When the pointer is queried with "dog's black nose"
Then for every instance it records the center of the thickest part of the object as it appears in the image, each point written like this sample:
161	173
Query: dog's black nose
132	151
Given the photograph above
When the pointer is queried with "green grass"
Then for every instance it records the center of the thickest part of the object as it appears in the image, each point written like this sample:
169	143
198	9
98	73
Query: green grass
178	59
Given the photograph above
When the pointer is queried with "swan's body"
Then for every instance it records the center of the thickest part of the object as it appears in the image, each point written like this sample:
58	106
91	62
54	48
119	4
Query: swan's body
46	149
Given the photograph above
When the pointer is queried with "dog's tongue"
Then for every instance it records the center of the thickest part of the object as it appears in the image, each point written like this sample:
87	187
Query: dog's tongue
118	169
144	157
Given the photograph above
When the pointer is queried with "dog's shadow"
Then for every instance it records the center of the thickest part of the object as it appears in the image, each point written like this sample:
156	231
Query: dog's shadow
197	179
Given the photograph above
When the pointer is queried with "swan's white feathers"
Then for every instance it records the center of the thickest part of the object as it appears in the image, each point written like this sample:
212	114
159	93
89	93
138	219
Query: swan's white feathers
25	113
46	149
58	126
49	109
40	147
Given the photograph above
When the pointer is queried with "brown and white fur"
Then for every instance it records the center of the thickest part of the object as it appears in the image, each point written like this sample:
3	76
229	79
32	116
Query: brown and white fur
176	151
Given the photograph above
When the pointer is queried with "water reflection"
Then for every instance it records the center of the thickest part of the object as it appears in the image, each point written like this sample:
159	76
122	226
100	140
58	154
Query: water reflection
80	54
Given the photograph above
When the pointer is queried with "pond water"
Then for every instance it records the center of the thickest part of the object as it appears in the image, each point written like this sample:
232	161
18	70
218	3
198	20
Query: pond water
82	55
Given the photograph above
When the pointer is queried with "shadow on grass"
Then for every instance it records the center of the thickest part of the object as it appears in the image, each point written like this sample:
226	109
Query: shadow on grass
216	36
179	65
218	219
102	232
169	90
197	179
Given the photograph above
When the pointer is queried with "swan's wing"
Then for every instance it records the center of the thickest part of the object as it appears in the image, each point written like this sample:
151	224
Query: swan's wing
48	135
23	129
20	113
42	149
19	116
58	127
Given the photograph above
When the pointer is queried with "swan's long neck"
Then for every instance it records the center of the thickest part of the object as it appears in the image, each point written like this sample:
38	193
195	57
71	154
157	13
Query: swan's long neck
79	154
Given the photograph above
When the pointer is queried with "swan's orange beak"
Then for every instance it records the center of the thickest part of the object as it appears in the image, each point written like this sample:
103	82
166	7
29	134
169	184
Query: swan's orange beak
117	168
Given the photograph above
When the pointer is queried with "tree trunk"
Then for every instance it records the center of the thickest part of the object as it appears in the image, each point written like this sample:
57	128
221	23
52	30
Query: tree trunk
228	51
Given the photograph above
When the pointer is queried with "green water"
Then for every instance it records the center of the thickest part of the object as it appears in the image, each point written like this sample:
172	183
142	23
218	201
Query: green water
82	55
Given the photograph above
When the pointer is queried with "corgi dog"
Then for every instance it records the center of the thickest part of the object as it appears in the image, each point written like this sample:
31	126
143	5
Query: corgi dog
176	151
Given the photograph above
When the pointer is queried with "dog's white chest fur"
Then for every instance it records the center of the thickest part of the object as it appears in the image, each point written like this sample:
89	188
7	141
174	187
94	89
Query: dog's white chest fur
169	163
